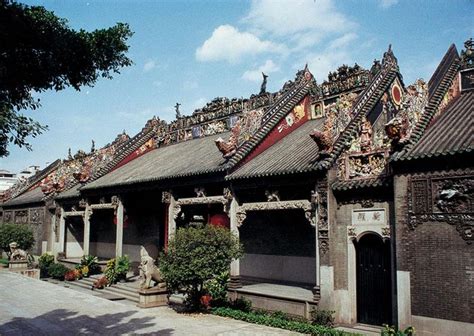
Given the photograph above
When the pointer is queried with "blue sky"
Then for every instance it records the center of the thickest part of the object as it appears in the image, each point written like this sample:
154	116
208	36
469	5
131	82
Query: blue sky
193	51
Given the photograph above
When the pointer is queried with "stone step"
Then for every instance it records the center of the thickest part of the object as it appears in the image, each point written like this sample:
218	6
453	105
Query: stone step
126	293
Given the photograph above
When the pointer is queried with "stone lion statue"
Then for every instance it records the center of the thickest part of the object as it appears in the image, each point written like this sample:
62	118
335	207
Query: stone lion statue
149	271
17	254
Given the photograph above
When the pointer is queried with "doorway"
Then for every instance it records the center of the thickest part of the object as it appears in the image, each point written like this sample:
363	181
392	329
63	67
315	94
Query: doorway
374	303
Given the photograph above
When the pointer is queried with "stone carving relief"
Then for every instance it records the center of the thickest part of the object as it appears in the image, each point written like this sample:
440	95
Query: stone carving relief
272	196
16	253
7	216
36	215
413	104
21	217
338	116
323	223
445	197
345	78
149	271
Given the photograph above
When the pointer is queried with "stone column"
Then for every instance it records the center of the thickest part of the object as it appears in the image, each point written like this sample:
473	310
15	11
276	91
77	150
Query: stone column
173	210
235	264
87	226
317	288
62	232
119	232
52	235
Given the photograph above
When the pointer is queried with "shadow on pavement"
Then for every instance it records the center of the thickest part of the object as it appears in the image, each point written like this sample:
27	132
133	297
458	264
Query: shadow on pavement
66	322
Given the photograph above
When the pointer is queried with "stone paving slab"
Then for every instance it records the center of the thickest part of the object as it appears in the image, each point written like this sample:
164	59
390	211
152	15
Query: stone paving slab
33	307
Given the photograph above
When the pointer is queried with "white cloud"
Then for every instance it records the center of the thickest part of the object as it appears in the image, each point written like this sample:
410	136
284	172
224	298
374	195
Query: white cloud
337	53
149	65
283	18
256	75
387	3
227	43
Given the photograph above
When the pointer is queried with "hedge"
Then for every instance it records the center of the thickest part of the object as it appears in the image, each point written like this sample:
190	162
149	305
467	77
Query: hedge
271	321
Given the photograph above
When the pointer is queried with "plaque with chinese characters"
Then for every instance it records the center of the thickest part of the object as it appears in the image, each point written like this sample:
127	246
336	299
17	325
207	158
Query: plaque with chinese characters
368	217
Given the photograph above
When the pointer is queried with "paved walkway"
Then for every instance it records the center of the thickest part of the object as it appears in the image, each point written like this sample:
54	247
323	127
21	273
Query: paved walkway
33	307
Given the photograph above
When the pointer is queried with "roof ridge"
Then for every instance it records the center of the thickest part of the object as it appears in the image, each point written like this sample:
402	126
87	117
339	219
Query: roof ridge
277	111
363	105
434	99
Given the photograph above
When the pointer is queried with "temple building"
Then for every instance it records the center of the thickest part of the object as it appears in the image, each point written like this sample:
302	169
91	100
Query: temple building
352	195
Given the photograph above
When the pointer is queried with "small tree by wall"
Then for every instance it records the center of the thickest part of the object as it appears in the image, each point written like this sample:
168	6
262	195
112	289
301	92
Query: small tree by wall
196	255
19	233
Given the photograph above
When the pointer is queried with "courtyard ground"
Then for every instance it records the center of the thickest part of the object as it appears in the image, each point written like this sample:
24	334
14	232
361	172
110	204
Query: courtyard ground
33	307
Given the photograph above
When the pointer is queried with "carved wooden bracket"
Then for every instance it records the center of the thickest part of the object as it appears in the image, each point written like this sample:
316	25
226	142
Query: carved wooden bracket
305	205
224	200
114	202
73	213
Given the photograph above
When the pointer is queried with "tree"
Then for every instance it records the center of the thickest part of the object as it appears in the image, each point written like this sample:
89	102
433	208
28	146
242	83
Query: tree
39	52
19	233
196	255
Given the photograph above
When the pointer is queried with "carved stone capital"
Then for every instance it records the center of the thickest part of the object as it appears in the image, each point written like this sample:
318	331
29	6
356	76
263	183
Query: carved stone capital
241	215
166	197
176	210
82	203
227	193
115	200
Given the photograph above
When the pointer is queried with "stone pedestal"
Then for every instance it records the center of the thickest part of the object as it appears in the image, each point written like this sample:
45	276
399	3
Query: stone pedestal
21	267
16	264
153	297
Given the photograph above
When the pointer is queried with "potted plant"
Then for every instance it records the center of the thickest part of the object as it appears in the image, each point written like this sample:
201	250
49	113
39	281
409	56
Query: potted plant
122	267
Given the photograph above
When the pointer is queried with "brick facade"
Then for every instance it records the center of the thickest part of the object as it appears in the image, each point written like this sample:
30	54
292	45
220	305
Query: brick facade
441	264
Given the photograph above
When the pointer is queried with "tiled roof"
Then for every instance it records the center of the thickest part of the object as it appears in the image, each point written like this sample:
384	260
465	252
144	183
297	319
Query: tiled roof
361	183
194	157
294	153
70	193
451	133
32	196
438	85
273	116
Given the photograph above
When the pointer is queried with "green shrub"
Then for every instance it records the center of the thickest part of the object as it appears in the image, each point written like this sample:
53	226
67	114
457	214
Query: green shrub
393	331
271	321
57	271
45	260
122	266
197	255
3	261
92	264
111	271
217	289
322	317
241	304
19	233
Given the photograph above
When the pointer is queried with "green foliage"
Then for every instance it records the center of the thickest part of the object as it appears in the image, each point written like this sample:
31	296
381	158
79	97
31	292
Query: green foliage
241	304
41	52
57	271
19	233
322	317
3	261
45	260
277	322
111	271
92	264
197	255
393	331
122	266
217	289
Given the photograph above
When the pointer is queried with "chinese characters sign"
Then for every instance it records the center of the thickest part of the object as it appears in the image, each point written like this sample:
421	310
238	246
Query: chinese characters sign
368	217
